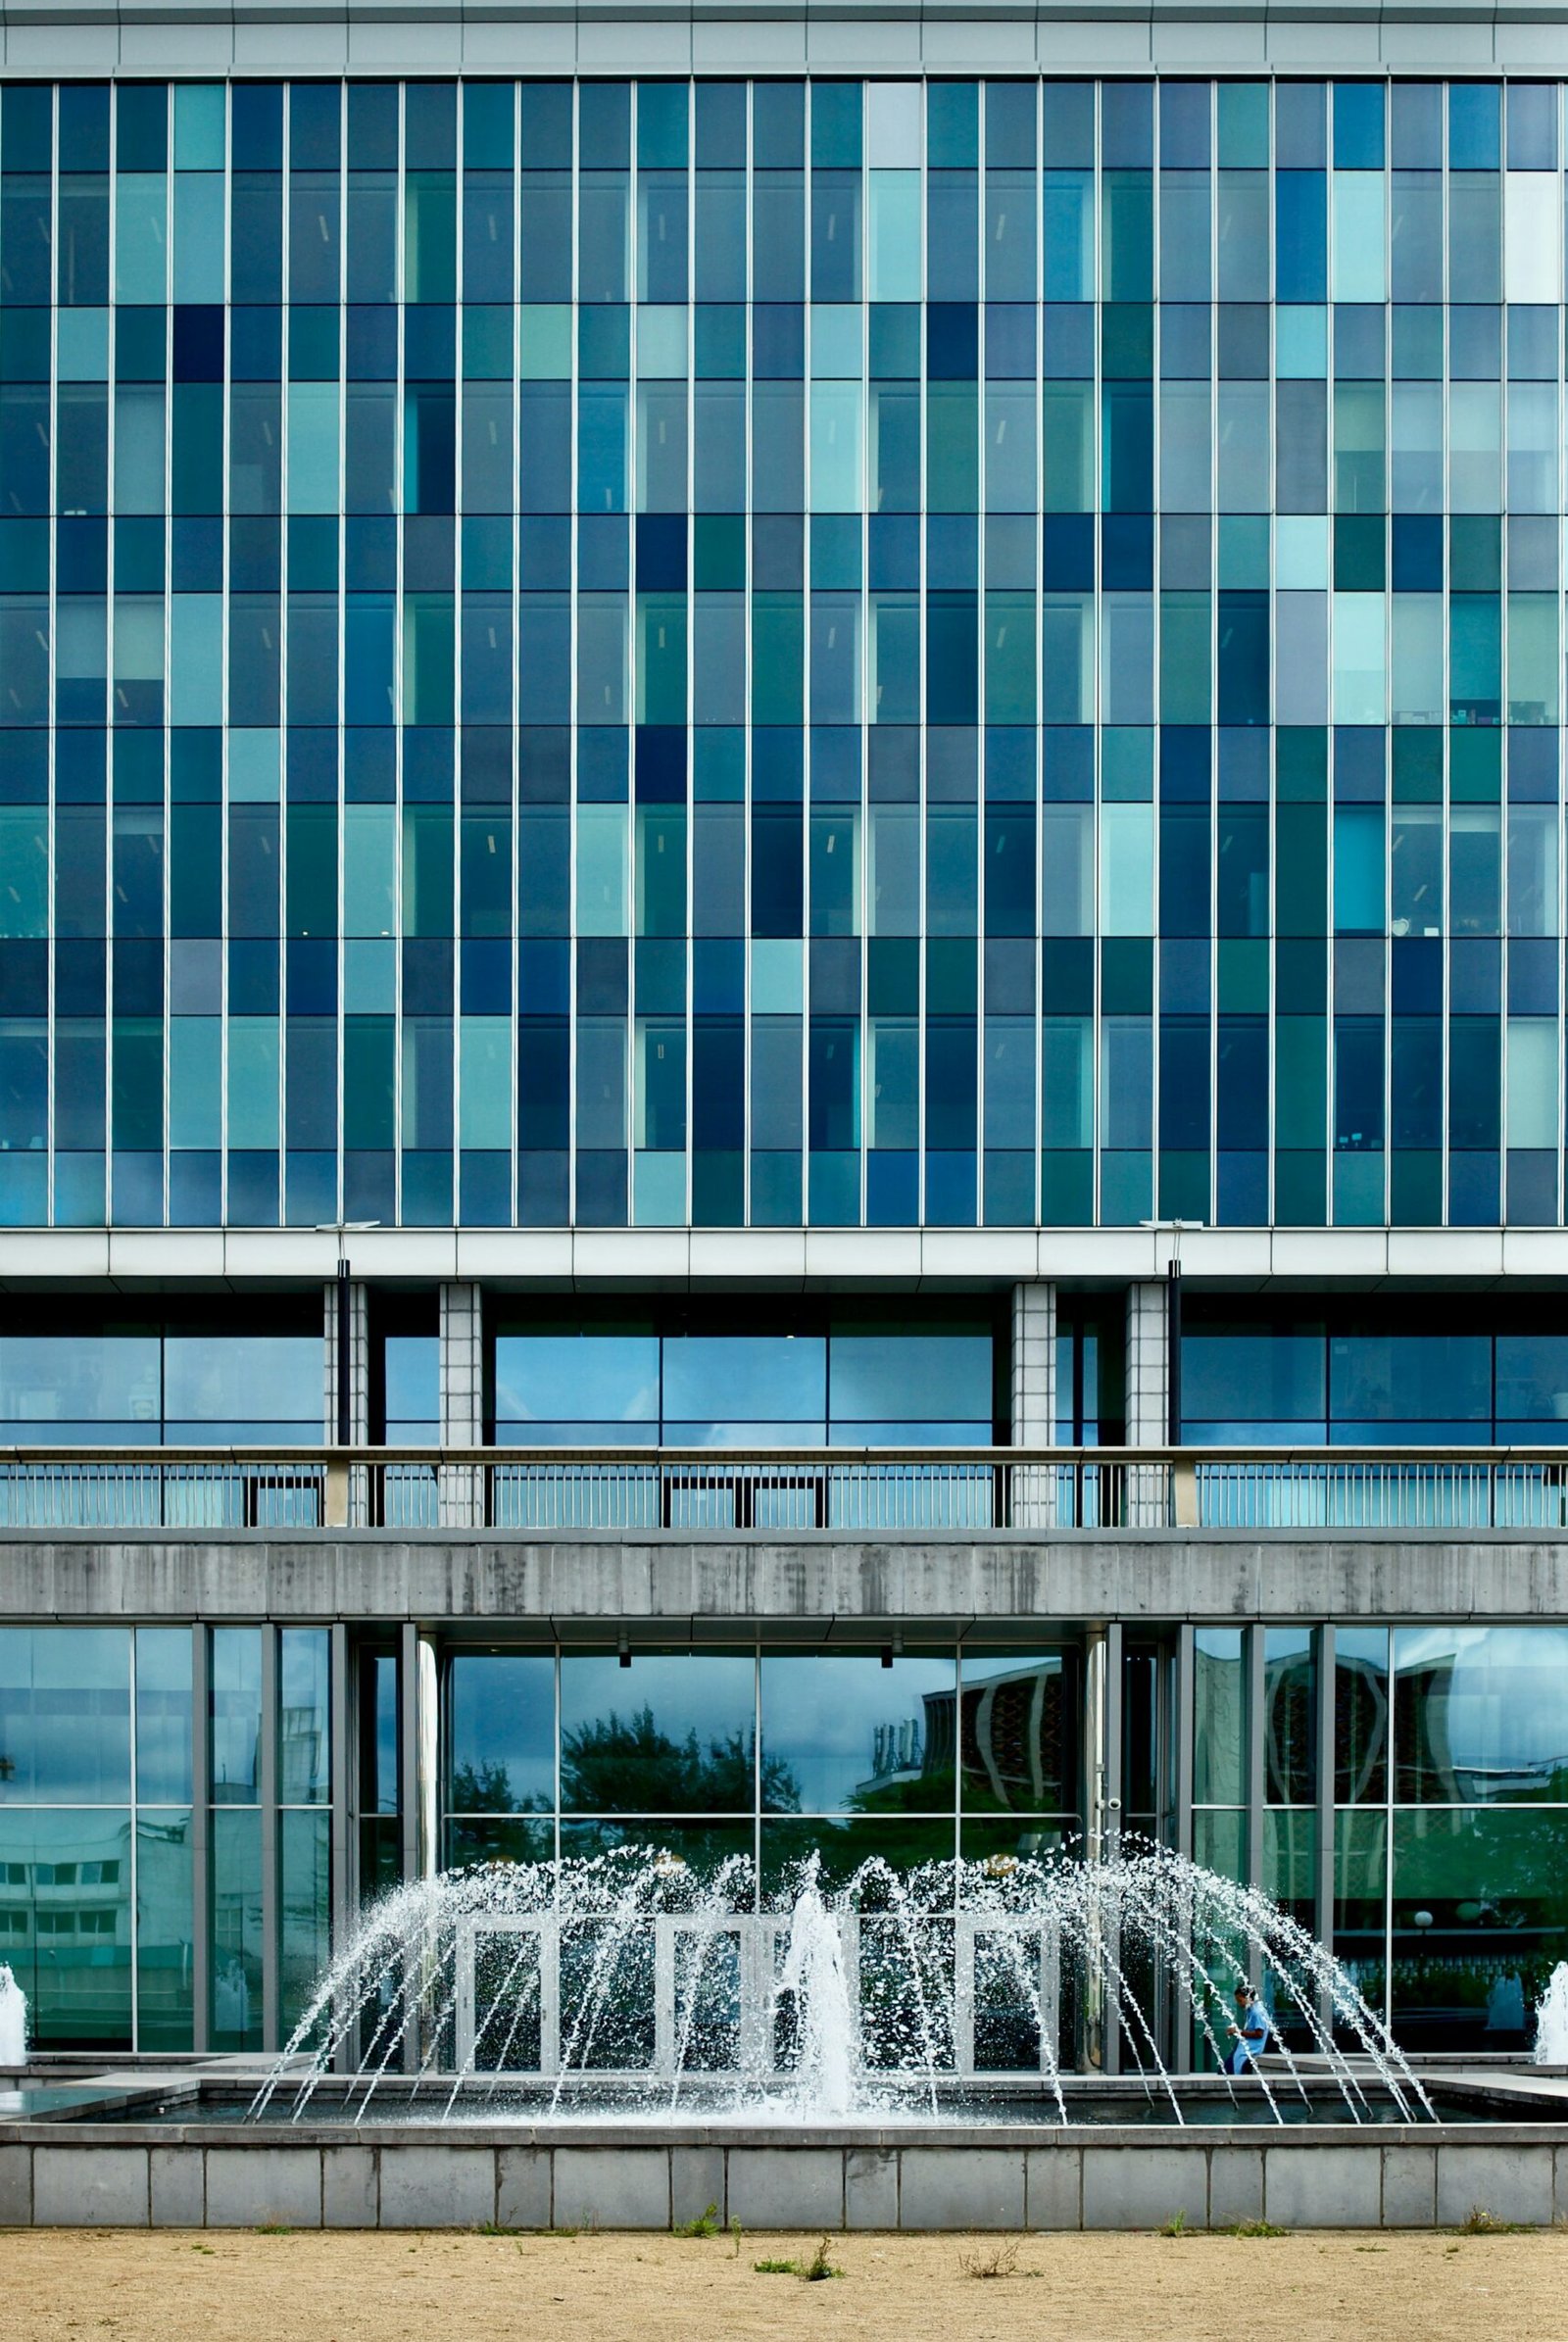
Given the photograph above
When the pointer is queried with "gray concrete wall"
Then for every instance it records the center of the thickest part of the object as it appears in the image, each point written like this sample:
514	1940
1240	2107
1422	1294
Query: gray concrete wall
820	1586
141	2176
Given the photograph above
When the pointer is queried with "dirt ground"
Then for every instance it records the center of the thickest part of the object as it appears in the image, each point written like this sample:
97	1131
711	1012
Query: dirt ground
242	2287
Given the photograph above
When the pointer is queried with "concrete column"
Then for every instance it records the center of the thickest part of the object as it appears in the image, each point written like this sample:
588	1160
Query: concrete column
1148	1363
462	1402
1034	1402
1147	1399
1034	1365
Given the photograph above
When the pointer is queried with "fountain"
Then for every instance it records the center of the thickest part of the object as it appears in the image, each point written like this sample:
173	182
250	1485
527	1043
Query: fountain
622	2041
13	2019
1552	2020
626	1985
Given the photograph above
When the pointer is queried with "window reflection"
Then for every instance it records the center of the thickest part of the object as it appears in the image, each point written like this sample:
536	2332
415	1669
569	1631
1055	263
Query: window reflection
1360	1715
65	1715
850	1735
236	1713
163	1715
672	1734
779	1379
1481	1715
1219	1713
1018	1737
502	1720
1480	1921
1290	1715
65	1922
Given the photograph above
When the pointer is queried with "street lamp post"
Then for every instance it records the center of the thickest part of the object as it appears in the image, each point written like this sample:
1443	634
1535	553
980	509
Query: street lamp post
345	1318
1173	1323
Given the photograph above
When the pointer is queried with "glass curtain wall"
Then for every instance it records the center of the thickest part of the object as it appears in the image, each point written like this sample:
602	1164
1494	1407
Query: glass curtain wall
909	1757
98	1794
876	652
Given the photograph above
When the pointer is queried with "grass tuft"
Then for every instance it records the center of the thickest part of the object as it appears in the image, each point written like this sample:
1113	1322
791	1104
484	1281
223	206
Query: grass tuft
1176	2225
1257	2229
1001	2262
777	2269
819	2266
1482	2223
705	2224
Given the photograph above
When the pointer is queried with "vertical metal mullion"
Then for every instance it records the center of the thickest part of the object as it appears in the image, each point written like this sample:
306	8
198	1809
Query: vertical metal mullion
130	1850
1255	1781
201	1835
1112	1844
1181	1757
271	1847
341	1830
1323	1879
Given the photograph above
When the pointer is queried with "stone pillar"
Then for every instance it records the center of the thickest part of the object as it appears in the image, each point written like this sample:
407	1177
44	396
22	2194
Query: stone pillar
462	1402
1147	1399
1034	1402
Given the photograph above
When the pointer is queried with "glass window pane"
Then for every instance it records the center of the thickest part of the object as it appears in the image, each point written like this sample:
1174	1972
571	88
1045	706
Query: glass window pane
237	1931
163	1715
237	1715
305	1909
165	1931
412	1383
1019	1734
1239	1380
502	1706
1219	1716
1480	1921
1533	1378
1360	1715
913	1377
771	1377
1411	1377
577	1378
1290	1715
241	1379
65	1715
1360	1880
304	1735
64	1923
69	1378
842	1733
1481	1715
672	1734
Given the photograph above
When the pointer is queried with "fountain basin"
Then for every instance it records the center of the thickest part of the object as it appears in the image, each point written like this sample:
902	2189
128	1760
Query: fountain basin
190	2158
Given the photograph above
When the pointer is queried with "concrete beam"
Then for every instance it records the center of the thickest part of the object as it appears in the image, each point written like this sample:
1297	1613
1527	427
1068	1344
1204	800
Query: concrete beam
810	1587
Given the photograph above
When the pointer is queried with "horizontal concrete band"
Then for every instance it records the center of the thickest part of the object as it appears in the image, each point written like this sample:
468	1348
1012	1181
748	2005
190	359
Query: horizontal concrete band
812	1587
774	1259
1133	2181
778	36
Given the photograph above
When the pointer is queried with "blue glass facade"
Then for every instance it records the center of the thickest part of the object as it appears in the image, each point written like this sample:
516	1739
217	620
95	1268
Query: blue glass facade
720	653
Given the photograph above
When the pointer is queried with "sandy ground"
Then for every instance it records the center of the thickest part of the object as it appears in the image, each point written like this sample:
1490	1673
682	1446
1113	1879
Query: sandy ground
240	2287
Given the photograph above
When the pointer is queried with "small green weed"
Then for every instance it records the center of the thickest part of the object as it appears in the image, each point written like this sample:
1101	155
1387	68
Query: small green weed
1483	2222
1176	2225
274	2228
705	2224
777	2269
736	2232
819	2266
1255	2229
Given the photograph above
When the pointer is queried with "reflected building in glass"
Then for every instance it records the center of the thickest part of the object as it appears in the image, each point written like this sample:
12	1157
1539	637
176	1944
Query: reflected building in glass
781	922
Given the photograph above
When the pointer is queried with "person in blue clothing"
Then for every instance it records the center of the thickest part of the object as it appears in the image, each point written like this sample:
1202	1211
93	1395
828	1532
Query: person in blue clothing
1251	2029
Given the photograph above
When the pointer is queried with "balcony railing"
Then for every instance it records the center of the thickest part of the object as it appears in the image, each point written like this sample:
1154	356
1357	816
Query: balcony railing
785	1491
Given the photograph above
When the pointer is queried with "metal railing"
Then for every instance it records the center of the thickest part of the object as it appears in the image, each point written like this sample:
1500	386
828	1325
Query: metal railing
786	1493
